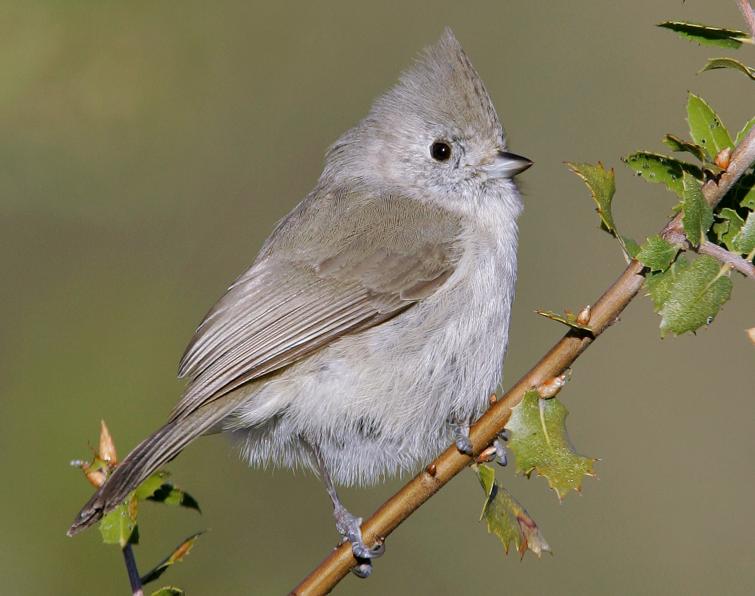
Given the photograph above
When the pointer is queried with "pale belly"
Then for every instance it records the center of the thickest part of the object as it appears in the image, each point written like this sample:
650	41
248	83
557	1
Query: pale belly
377	403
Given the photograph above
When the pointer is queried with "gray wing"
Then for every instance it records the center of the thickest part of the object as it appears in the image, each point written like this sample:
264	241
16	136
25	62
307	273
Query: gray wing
338	264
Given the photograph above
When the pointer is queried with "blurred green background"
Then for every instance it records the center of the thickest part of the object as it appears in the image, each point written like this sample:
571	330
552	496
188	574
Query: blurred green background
146	150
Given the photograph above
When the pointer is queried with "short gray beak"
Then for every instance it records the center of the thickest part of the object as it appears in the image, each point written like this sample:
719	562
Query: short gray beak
508	165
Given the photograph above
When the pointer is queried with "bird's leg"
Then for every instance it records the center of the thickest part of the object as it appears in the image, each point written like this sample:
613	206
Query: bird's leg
347	524
461	435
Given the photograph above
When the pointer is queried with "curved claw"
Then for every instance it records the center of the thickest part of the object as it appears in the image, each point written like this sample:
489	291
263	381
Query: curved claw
464	445
353	534
362	551
349	528
501	451
362	570
461	436
364	555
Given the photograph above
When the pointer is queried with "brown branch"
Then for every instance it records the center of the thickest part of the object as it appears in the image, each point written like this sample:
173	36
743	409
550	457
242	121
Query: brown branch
423	486
742	158
748	14
729	258
394	511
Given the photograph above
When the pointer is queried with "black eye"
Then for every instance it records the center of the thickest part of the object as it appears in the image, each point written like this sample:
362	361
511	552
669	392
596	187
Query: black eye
440	150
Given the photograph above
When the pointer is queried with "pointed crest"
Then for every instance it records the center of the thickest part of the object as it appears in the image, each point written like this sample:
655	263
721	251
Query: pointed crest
443	86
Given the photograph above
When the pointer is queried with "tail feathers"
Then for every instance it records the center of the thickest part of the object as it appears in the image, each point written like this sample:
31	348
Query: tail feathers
155	451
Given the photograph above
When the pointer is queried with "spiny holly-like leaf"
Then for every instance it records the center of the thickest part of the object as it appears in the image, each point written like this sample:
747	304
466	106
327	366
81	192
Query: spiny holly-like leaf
678	144
506	518
698	216
170	495
705	35
655	167
716	63
568	318
706	127
729	226
154	488
540	443
119	526
744	241
168	591
745	129
657	254
179	554
602	185
659	284
694	296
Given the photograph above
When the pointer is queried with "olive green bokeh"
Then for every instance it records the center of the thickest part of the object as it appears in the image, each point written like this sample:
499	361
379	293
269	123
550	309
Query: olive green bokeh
146	150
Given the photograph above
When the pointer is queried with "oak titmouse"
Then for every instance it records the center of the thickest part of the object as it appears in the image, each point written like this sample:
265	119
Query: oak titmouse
376	311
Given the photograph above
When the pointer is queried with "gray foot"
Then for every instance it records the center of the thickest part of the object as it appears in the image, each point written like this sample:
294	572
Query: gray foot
500	448
461	436
348	526
362	570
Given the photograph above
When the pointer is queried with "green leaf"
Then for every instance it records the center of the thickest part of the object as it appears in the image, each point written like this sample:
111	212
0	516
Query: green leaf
706	127
663	169
168	591
156	489
698	216
694	296
631	246
170	495
568	318
743	192
678	144
540	443
729	226
745	129
602	185
744	241
119	526
179	554
716	63
153	482
506	518
659	284
657	254
705	35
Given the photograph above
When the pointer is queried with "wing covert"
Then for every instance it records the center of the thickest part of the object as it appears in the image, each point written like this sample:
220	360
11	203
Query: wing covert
318	278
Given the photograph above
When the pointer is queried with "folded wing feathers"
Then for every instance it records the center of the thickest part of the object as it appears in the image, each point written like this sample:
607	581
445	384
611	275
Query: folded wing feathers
278	311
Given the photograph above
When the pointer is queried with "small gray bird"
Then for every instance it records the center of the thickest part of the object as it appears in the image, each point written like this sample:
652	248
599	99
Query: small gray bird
371	328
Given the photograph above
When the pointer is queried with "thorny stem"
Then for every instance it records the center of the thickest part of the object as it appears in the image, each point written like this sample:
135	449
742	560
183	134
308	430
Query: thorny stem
557	360
133	572
749	14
